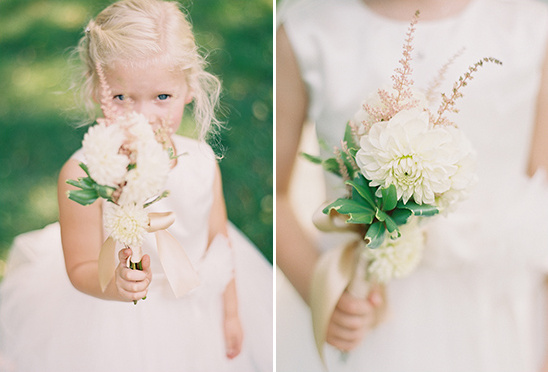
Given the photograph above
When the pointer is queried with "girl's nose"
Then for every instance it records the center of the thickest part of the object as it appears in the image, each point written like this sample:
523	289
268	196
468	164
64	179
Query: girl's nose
148	110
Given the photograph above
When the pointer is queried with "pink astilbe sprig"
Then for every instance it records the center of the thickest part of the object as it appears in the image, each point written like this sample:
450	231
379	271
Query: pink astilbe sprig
355	130
402	77
431	92
346	161
448	102
106	94
340	161
402	98
351	159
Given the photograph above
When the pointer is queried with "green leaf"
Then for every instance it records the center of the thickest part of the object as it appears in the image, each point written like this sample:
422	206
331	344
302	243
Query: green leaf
375	235
347	206
311	158
360	185
400	216
85	168
332	166
391	225
360	218
425	210
350	139
83	197
88	181
104	192
83	183
389	198
381	215
75	183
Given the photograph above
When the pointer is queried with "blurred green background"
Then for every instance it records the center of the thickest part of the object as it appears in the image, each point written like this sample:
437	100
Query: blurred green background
37	132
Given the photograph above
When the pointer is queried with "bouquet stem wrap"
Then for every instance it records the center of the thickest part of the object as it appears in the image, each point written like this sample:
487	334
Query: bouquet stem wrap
359	286
333	274
180	273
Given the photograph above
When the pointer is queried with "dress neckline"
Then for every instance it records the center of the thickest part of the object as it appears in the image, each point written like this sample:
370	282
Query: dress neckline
446	20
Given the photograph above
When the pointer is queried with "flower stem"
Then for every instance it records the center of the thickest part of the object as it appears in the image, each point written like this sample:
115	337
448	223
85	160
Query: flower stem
136	266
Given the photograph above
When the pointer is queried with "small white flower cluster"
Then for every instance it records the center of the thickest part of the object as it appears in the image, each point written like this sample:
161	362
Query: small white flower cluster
396	258
126	223
123	153
432	164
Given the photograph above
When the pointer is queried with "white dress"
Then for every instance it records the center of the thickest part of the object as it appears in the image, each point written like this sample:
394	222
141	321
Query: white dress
475	302
46	325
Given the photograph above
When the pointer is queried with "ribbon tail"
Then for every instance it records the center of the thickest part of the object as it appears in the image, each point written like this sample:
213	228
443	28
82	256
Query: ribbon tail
331	276
179	271
106	263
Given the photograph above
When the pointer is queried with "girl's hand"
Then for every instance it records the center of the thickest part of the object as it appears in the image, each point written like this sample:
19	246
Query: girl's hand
233	336
352	318
132	285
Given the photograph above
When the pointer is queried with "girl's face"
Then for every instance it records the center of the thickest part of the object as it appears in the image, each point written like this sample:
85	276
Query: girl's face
153	90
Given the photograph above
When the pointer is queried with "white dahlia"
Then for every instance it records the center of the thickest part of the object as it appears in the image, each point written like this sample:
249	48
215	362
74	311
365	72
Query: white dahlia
421	160
396	258
139	128
101	146
148	177
126	223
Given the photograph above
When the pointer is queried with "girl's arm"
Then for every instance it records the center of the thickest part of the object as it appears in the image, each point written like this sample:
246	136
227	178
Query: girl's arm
218	225
296	254
539	150
82	238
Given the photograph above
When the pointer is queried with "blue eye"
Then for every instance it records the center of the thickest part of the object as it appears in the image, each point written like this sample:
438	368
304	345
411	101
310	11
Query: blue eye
163	97
119	97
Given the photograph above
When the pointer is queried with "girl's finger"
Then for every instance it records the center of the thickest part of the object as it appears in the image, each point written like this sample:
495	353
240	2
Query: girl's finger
352	322
124	254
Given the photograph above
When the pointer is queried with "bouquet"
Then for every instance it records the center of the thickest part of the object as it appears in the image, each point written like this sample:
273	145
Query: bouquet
127	164
400	162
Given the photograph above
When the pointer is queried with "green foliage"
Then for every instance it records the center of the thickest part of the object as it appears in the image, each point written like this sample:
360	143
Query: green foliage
90	190
378	208
382	213
37	136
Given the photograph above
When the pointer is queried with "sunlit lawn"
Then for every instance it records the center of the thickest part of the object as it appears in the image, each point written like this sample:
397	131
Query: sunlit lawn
37	132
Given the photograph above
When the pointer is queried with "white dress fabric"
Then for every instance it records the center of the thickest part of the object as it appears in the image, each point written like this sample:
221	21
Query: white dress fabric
47	325
475	303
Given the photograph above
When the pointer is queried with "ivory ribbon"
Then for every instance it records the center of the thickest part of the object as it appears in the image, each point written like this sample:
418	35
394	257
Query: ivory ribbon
177	266
333	273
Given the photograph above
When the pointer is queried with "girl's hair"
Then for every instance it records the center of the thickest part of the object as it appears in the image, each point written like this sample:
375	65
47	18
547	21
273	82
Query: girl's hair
140	31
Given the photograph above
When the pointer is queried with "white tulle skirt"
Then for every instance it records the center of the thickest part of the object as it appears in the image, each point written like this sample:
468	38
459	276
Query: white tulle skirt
48	325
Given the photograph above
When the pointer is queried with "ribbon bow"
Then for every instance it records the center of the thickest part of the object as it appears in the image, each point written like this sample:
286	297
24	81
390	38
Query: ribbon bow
179	271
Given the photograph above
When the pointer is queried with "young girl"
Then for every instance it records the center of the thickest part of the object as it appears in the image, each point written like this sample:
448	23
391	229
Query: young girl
473	303
54	314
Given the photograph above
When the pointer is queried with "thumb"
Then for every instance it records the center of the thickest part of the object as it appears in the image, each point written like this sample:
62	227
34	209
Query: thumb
375	297
230	348
145	261
124	254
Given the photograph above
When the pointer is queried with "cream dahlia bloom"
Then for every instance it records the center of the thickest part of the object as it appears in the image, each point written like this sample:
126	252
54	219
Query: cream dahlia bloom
138	128
101	146
126	223
152	165
421	160
396	258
